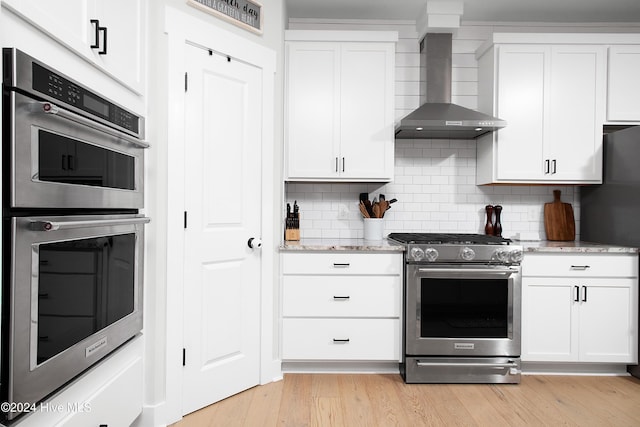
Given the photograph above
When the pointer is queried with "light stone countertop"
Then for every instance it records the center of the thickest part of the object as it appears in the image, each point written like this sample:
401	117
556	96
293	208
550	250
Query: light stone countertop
547	246
383	245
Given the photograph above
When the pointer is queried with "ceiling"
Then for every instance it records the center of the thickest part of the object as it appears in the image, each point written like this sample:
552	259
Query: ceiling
474	10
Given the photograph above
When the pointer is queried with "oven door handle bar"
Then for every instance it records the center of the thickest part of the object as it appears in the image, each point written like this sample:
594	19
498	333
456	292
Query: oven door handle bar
67	225
471	364
458	272
49	108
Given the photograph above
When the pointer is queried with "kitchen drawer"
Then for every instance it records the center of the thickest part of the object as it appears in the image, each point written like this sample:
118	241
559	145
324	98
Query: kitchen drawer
341	339
342	263
341	296
573	265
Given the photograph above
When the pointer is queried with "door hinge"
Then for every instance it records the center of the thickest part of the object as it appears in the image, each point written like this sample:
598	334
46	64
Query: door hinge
185	81
185	219
184	357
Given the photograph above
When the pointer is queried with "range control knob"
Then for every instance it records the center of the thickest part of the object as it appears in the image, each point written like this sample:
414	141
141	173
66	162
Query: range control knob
417	254
516	255
502	255
467	254
431	254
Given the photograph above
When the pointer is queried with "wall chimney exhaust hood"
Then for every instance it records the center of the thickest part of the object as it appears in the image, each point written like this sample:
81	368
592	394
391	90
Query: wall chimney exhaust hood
438	117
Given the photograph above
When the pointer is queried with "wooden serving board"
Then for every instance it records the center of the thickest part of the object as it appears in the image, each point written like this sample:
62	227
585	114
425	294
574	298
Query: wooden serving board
559	223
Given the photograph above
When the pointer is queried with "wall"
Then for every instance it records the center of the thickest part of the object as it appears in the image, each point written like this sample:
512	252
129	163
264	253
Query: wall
434	179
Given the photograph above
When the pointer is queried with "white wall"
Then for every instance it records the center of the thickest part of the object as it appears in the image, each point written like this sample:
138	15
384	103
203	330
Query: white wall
434	179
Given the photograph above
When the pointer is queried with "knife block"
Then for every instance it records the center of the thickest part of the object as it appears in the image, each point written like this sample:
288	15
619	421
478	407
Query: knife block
292	227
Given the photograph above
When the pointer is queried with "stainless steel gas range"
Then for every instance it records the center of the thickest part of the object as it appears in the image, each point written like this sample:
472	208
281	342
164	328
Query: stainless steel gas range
462	295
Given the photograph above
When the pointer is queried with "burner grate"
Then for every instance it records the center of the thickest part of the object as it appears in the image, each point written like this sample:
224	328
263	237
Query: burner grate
451	238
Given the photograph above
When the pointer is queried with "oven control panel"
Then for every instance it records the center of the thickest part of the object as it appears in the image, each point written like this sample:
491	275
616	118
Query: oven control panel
498	254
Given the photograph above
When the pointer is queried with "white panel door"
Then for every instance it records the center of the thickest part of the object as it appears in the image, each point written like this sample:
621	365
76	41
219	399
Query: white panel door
576	93
366	111
549	321
222	197
521	102
313	110
607	322
624	86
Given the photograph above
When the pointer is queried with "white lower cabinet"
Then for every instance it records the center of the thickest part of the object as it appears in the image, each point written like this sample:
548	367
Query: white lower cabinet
580	308
341	306
110	394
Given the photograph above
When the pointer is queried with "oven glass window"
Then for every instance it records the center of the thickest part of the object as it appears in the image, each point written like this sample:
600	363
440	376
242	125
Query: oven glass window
464	308
84	286
68	161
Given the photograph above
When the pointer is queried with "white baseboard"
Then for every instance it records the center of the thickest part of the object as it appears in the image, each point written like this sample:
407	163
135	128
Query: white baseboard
550	368
340	367
152	416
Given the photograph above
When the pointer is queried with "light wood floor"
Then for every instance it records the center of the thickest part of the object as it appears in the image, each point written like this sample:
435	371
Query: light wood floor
385	400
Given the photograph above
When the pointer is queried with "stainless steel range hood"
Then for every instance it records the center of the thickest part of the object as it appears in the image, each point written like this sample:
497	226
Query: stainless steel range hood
438	117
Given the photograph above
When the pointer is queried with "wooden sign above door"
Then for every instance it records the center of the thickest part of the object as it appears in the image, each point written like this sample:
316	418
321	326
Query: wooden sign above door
246	14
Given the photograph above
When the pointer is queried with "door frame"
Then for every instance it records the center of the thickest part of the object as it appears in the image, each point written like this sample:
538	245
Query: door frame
181	29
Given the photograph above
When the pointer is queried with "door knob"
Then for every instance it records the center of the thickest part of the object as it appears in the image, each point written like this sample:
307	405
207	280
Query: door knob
254	243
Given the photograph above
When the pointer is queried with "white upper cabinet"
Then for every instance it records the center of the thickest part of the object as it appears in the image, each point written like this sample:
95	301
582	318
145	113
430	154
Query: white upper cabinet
107	33
623	96
339	109
552	97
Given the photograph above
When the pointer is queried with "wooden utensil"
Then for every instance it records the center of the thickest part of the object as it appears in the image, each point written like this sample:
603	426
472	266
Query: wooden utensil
559	223
363	210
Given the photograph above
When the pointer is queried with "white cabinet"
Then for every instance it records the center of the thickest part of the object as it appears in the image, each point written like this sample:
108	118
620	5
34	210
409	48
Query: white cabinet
623	92
107	33
580	308
552	97
339	96
110	393
341	306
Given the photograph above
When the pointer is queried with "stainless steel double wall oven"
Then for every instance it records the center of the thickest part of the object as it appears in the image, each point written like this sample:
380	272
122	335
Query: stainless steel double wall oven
462	298
73	238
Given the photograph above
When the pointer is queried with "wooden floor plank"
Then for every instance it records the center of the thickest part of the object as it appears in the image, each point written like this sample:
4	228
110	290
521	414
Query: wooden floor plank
337	400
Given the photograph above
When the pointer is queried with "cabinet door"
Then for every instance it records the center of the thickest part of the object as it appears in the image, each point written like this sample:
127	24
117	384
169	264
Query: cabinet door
549	324
313	108
124	22
575	114
64	20
521	102
624	85
366	111
608	322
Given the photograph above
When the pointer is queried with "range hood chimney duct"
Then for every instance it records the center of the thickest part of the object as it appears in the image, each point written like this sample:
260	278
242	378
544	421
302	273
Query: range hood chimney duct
438	117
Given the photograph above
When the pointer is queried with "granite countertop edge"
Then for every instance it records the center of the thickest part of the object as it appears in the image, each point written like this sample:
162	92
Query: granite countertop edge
383	245
547	246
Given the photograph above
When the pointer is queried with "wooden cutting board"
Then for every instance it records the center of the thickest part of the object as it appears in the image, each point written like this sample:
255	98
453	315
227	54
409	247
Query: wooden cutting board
559	223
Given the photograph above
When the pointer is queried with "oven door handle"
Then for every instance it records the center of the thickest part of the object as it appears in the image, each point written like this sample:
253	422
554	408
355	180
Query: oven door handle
475	272
49	108
507	365
67	225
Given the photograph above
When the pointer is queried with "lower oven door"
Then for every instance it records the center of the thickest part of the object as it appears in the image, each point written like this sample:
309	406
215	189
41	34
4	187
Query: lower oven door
484	370
462	310
75	296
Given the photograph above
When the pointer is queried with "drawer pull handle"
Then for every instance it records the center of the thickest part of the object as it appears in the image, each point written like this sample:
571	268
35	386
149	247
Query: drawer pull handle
341	340
580	267
584	295
340	265
339	298
576	297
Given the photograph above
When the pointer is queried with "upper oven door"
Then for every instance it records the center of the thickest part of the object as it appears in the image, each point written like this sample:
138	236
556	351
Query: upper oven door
463	310
60	159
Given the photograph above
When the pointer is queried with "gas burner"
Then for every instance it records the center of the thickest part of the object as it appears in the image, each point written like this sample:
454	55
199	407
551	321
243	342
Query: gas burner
448	238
